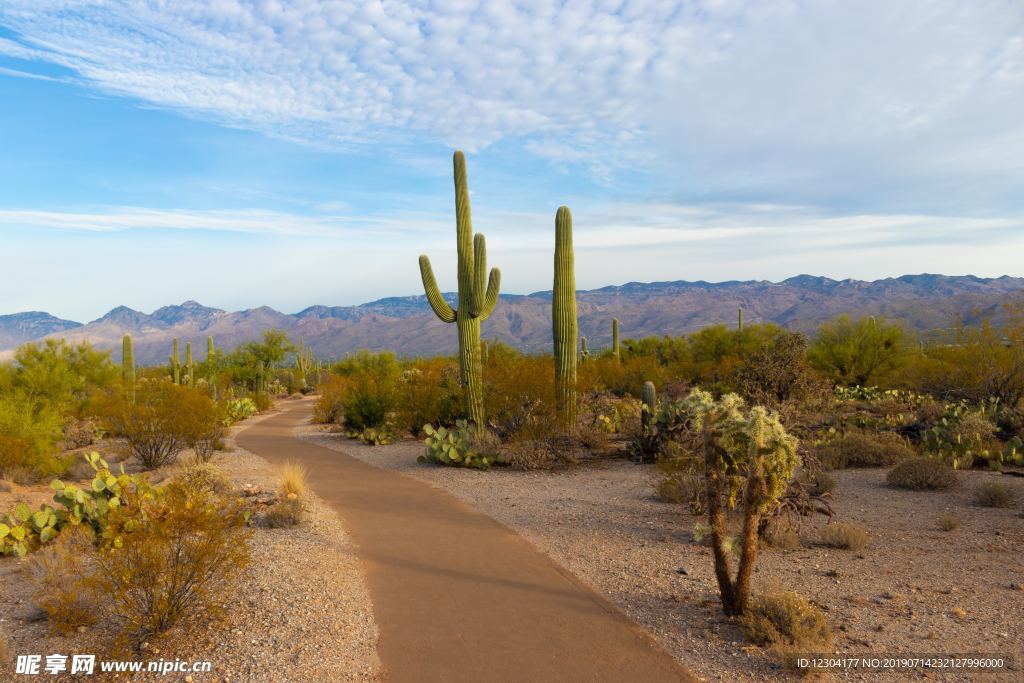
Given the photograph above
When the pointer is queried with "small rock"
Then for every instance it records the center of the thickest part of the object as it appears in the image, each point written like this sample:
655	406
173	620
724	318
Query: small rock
959	612
682	570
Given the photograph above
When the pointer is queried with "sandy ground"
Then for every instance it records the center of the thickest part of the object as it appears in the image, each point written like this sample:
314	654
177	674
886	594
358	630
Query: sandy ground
301	612
914	590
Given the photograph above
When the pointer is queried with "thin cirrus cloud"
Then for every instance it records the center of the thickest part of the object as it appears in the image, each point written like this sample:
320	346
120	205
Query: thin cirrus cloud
821	100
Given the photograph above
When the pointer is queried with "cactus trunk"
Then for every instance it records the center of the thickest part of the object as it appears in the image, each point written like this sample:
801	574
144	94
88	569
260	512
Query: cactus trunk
565	328
615	338
740	325
259	377
477	299
128	368
584	354
189	372
175	366
649	398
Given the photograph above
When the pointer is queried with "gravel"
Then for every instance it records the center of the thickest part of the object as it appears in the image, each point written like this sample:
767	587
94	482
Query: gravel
913	590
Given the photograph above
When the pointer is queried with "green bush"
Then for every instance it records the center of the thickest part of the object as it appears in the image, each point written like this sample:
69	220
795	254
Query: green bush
922	474
29	439
170	559
237	409
861	352
429	392
330	405
863	449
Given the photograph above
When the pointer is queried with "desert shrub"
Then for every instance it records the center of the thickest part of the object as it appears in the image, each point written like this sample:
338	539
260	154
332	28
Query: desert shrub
204	476
519	396
373	436
789	624
429	393
681	481
779	372
845	536
29	438
819	482
863	449
993	494
781	535
462	446
64	587
528	454
59	376
922	474
264	401
78	433
862	352
330	406
171	558
284	514
949	523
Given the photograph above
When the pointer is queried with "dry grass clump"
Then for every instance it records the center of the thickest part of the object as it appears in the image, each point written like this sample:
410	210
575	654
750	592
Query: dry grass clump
780	535
949	523
922	474
206	476
992	494
293	479
288	511
864	449
845	536
65	590
788	624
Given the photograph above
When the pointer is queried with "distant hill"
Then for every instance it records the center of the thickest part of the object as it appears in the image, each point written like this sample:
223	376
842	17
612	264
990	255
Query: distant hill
406	324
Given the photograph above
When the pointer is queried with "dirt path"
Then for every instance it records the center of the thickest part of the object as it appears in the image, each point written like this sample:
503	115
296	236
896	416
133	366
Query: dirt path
458	596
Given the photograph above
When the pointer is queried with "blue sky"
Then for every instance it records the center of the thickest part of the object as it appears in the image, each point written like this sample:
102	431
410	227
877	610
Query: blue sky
292	153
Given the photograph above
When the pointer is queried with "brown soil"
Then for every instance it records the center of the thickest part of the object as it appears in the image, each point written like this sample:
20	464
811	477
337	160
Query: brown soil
458	596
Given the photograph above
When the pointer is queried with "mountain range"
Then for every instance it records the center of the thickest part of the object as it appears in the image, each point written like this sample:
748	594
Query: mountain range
407	325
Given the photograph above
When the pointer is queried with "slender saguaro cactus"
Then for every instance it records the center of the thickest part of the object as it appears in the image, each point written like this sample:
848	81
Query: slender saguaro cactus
211	364
303	358
128	368
476	303
564	326
740	325
190	375
259	377
615	338
584	354
175	366
649	398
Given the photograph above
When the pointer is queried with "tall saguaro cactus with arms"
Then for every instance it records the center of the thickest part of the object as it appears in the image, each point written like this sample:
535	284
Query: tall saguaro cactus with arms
565	327
478	295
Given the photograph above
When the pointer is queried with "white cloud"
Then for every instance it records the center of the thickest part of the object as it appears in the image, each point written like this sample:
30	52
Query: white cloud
817	100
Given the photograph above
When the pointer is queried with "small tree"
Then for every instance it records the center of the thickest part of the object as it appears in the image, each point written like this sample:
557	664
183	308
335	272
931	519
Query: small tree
750	456
857	352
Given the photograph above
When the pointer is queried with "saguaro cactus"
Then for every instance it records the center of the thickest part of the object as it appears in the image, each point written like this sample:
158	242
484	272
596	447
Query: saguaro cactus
303	363
475	304
260	380
128	367
584	354
649	398
175	365
615	338
565	328
740	325
211	366
190	375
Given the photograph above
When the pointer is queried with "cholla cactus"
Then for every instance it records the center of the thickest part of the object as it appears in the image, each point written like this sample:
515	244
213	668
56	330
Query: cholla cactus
476	303
565	327
128	367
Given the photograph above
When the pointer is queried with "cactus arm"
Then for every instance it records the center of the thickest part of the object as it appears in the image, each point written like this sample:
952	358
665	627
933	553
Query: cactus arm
491	298
477	298
441	308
